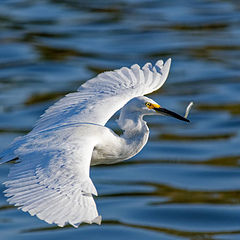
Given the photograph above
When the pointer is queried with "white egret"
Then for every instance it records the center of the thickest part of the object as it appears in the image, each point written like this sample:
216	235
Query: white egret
50	178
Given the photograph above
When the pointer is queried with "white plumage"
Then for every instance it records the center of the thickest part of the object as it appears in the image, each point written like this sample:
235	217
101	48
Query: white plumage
99	98
51	177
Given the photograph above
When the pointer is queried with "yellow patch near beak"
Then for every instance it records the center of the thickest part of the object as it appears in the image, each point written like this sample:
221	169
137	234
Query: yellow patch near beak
156	106
151	105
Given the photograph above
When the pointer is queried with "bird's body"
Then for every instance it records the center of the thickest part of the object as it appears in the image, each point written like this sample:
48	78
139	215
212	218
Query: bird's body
51	177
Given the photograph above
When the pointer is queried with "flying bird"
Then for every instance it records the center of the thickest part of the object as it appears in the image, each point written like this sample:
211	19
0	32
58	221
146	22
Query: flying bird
50	178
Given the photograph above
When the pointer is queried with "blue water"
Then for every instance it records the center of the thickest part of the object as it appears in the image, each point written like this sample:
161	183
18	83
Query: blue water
185	184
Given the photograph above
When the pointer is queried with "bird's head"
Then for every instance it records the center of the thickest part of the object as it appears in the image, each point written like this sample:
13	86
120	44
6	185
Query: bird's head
146	106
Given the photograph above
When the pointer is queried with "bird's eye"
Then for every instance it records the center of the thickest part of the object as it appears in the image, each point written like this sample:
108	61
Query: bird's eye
148	104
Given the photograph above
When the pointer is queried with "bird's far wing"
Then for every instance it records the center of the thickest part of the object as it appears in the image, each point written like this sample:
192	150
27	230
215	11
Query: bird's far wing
99	98
51	179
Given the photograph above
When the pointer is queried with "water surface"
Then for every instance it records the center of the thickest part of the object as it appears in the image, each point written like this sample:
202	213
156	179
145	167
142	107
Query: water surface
185	184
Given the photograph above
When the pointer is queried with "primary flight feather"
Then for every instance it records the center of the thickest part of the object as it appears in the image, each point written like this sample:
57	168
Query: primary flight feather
51	176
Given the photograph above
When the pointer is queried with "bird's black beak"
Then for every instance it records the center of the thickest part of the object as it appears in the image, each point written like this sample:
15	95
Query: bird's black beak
166	112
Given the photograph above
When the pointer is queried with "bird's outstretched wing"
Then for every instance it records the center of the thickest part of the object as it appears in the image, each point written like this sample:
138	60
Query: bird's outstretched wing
51	179
99	98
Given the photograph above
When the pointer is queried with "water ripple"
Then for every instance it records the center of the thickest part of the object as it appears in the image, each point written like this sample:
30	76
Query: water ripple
185	184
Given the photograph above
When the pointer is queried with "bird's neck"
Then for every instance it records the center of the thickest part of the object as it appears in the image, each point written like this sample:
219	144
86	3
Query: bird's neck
132	124
135	131
116	149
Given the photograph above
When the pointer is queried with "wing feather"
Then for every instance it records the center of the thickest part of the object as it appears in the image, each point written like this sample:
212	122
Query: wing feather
106	93
52	180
